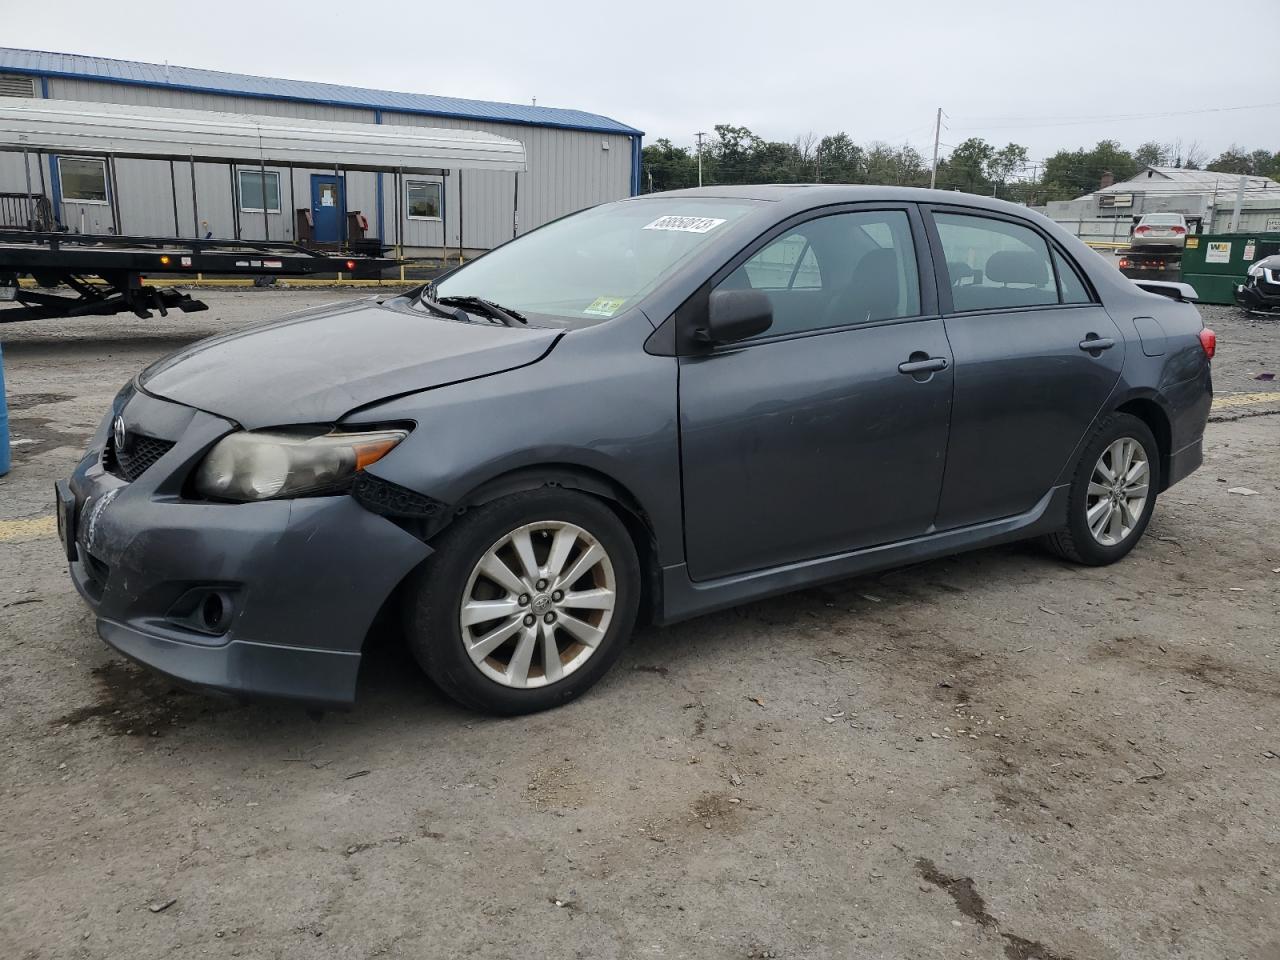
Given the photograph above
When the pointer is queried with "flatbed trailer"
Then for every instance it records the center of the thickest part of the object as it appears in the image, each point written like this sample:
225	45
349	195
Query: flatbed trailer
1149	263
108	274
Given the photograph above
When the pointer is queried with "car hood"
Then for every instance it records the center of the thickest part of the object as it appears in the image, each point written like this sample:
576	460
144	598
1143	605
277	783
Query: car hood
316	366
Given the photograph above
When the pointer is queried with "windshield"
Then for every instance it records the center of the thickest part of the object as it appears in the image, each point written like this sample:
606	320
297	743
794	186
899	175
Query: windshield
594	264
1163	219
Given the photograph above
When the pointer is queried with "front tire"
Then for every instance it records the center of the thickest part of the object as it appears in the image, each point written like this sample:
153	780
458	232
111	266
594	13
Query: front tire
526	603
1112	493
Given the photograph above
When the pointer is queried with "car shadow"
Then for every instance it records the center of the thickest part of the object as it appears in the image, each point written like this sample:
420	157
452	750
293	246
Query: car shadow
392	691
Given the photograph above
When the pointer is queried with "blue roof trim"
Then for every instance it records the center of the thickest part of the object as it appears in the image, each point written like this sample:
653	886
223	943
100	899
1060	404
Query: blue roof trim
135	73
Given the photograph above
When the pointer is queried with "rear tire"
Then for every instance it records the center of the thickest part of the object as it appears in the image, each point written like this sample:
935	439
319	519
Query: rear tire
526	603
1105	519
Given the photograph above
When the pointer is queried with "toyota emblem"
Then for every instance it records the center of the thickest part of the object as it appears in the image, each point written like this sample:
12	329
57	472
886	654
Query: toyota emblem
118	433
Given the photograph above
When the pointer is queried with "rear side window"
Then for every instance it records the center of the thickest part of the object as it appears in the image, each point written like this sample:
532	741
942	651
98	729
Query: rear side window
994	264
1073	287
836	270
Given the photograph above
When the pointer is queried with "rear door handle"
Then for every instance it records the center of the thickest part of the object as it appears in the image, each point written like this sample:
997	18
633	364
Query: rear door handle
923	366
1094	343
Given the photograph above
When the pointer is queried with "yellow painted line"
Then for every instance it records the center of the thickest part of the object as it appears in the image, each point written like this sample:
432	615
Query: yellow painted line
28	528
1229	400
1106	244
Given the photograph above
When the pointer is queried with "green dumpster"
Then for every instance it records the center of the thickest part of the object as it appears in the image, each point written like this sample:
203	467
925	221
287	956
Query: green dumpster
1214	263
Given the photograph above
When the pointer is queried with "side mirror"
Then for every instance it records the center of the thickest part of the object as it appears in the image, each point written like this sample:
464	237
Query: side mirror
734	315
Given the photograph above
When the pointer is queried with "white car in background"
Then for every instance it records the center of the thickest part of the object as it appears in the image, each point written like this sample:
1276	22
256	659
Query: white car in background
1160	230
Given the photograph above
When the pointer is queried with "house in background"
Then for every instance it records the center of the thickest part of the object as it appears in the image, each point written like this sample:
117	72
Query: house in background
1205	197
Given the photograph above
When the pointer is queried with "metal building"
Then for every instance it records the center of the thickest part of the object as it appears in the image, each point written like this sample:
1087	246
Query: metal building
574	159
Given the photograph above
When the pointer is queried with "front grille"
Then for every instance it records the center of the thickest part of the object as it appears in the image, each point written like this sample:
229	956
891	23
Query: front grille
138	455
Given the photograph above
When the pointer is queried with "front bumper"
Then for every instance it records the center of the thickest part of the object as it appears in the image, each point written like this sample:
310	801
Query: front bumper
301	580
1256	296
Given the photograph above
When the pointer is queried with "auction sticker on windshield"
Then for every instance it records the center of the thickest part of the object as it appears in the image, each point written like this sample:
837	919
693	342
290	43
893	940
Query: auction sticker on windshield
685	224
605	306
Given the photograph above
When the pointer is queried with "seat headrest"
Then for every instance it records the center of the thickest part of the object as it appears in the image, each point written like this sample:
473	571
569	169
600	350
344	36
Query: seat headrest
1018	266
880	260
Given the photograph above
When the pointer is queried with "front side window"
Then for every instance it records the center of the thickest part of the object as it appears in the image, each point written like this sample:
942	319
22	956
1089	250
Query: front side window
786	264
837	270
422	199
995	264
593	265
83	180
254	184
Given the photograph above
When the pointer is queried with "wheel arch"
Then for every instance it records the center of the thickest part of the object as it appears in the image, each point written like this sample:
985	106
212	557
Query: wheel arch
1147	408
595	483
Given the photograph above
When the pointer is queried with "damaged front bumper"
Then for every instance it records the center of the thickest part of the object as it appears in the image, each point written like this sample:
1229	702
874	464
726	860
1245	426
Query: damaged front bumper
267	599
1258	296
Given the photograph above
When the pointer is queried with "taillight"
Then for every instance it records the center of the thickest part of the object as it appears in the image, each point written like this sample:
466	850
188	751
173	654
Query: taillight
1178	229
1209	340
1142	230
351	264
1124	263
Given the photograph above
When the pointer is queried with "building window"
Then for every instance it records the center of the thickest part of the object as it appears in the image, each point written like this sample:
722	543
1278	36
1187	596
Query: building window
422	198
83	181
251	190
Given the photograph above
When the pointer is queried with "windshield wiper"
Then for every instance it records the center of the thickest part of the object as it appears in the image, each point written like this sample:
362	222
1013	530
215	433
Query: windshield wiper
488	307
424	297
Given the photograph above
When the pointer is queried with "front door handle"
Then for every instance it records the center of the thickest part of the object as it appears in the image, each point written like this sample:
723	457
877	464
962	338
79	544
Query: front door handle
925	365
1095	344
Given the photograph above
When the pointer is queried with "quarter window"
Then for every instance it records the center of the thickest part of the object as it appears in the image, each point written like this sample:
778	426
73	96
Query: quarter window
994	264
422	199
1069	282
834	271
82	180
253	185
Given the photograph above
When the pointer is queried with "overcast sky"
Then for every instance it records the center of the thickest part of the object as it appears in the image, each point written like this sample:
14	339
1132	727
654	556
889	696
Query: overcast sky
1046	75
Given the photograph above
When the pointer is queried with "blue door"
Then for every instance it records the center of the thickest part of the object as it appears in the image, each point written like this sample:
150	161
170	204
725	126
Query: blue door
326	207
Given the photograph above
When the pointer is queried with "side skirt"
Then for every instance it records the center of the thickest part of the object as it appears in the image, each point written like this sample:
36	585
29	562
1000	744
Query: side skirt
684	598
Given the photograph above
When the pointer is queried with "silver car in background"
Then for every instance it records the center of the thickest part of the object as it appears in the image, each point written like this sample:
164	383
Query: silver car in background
1160	230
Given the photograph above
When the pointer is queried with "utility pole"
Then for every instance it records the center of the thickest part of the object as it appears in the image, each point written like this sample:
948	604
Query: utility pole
818	173
937	135
700	134
1235	211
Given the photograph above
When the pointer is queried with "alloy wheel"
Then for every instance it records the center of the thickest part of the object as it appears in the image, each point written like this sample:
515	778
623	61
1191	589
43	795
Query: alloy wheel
538	604
1118	490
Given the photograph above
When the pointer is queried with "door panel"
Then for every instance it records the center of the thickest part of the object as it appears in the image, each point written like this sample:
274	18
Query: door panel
809	446
1025	394
326	208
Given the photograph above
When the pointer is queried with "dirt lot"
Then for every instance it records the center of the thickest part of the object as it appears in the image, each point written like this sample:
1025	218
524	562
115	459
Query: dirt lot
996	755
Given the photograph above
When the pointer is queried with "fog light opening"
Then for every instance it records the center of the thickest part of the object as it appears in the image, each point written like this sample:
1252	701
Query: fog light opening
213	612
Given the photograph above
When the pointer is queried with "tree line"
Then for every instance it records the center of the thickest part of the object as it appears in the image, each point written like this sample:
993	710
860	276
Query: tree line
736	155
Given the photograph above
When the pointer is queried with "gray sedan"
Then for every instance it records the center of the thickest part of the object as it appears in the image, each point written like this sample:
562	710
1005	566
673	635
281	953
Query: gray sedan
650	409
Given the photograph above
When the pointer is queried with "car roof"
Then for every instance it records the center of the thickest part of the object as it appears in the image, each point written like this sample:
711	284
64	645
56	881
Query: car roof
803	196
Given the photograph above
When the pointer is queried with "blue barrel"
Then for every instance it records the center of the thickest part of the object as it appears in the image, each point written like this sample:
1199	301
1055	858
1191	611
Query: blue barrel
4	420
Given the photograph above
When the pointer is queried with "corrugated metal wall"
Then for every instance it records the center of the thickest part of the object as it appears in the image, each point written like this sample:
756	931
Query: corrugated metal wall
568	170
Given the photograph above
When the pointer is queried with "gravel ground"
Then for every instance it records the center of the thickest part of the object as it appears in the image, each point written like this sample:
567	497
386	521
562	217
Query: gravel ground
994	755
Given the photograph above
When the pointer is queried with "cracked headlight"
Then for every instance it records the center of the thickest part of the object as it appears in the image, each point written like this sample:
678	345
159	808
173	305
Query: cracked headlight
289	462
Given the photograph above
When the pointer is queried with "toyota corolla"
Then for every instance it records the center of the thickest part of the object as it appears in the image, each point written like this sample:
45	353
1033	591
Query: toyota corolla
654	408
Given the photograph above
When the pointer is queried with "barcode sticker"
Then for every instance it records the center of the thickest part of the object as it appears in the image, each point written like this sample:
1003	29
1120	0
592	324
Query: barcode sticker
685	224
